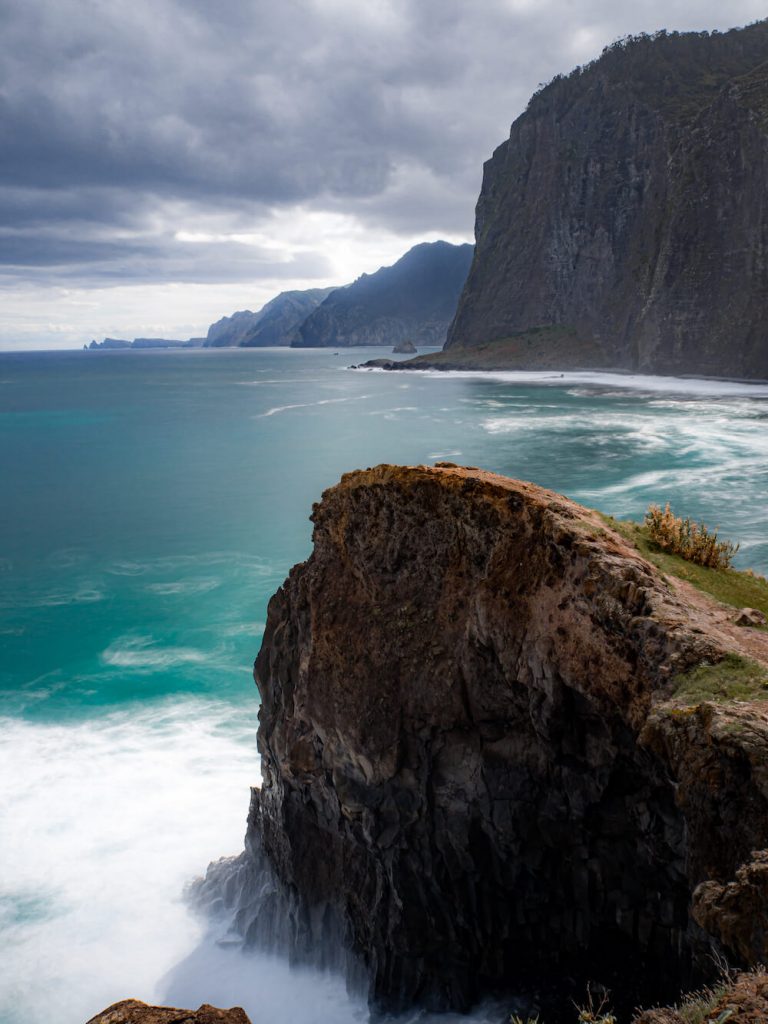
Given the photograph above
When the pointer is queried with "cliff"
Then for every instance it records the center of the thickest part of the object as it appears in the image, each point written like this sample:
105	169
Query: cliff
276	323
280	319
414	299
499	748
626	216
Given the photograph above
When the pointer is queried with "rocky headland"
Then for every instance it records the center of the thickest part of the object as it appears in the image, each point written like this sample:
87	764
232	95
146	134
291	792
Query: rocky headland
501	750
622	225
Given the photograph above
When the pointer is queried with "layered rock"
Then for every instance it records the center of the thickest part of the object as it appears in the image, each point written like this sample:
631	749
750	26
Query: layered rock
481	763
626	214
414	299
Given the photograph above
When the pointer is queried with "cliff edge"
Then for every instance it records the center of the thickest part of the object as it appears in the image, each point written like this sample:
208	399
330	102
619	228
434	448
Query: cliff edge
500	749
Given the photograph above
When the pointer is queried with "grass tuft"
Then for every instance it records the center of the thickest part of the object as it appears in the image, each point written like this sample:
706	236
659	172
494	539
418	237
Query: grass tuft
733	678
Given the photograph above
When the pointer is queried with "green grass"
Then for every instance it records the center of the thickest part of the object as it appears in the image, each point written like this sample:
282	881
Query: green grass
739	589
733	678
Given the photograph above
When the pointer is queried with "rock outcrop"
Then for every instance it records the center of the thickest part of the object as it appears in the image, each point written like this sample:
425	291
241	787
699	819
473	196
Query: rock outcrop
626	214
485	762
405	348
415	299
132	1011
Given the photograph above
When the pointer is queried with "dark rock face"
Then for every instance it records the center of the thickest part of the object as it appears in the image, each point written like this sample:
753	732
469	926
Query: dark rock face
475	771
627	209
415	299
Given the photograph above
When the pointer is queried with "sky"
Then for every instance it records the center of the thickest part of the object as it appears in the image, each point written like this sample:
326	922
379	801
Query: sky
166	162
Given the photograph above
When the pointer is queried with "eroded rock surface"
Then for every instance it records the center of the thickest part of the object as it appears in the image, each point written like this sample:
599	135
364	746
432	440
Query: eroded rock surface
475	766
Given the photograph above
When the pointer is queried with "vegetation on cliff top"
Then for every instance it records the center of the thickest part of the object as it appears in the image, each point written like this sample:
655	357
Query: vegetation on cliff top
733	678
692	541
730	586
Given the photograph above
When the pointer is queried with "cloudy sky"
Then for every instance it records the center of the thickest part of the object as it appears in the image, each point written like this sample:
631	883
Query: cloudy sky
164	162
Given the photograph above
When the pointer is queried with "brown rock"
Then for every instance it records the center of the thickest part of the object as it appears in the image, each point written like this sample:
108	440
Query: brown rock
133	1011
737	912
472	754
750	617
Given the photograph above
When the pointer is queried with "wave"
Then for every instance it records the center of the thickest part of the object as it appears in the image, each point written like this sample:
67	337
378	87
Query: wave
620	382
144	653
184	587
308	405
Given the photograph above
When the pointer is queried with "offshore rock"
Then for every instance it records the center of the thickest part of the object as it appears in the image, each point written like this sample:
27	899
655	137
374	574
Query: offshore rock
479	770
405	348
623	225
132	1011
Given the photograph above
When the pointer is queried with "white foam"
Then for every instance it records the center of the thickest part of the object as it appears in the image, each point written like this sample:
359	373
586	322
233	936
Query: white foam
104	823
618	381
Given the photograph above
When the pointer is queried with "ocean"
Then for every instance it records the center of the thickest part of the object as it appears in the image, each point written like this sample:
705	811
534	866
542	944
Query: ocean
151	504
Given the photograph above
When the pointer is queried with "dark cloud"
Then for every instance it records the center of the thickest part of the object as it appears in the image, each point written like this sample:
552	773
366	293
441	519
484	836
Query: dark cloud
121	122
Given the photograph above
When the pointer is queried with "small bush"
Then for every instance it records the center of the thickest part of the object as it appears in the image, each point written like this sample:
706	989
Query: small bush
596	1012
691	541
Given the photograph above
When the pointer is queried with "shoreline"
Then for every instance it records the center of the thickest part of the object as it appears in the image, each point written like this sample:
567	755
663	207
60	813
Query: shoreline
629	379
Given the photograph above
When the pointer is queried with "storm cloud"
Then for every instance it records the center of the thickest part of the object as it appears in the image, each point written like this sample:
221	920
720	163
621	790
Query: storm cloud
186	141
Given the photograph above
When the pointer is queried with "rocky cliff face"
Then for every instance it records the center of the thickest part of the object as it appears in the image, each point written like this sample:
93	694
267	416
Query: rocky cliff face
626	213
483	761
415	299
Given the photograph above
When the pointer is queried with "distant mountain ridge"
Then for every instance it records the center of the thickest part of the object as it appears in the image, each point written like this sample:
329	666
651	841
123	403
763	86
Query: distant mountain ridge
275	323
413	300
281	318
624	223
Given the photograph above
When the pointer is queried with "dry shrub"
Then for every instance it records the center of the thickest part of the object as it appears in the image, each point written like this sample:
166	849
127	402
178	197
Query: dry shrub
690	540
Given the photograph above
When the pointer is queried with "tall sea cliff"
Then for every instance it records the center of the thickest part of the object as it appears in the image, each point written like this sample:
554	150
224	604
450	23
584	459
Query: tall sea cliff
624	222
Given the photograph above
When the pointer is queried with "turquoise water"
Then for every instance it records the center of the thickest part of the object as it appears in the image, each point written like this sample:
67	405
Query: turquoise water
152	502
